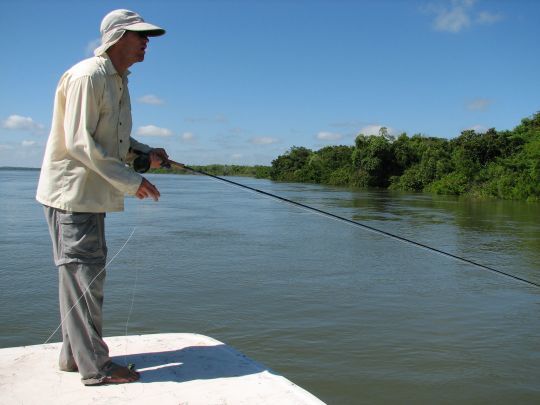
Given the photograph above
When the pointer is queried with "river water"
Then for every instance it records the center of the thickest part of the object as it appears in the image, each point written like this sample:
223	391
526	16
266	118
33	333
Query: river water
350	315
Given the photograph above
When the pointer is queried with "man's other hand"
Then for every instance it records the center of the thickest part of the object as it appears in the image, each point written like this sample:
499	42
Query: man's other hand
147	189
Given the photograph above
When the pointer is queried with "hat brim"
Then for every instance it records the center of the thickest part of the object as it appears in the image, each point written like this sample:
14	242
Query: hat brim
150	29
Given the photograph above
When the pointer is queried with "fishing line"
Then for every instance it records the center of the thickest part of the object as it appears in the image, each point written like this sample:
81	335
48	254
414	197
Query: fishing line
89	285
132	298
134	289
356	223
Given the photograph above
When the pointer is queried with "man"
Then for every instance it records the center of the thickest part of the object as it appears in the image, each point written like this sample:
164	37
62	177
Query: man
83	176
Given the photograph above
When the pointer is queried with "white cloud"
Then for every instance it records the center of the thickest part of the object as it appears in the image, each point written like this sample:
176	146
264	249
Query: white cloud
371	130
20	123
263	140
329	136
187	137
454	19
485	17
150	99
21	154
374	130
237	156
479	104
152	130
90	46
477	128
457	15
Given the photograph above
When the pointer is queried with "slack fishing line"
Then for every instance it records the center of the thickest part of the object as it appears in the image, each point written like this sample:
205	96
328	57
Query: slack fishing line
89	285
132	305
350	222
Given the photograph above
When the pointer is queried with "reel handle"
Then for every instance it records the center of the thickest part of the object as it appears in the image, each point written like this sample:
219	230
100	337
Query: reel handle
141	163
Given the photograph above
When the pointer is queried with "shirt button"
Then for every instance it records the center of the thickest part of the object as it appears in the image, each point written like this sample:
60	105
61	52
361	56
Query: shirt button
121	141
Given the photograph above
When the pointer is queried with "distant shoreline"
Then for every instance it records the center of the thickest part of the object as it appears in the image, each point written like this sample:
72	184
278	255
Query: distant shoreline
37	169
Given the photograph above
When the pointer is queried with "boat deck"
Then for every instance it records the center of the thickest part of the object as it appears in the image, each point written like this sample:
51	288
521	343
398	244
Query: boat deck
177	368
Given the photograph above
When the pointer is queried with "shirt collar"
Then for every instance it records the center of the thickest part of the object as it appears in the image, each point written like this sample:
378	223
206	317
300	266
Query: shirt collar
109	67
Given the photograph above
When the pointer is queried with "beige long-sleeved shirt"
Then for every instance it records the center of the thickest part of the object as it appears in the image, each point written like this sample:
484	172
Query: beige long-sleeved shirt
84	168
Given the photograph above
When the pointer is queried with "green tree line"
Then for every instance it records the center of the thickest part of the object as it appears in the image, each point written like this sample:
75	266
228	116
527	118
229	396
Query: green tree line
262	172
498	164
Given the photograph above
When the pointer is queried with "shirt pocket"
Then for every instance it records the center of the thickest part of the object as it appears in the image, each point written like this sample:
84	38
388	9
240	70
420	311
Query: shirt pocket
82	236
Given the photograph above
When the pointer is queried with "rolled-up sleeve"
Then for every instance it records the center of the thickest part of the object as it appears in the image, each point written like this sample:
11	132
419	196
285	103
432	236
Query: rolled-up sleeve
141	147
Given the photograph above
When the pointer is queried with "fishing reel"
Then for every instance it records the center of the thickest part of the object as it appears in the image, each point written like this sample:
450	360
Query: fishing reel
141	164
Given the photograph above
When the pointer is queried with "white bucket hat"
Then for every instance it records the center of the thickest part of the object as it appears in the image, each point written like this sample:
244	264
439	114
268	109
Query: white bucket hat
119	21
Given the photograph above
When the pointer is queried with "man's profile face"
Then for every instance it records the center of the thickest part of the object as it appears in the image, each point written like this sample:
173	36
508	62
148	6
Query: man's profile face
132	46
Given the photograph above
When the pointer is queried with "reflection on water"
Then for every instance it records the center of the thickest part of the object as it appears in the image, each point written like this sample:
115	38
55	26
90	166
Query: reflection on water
350	315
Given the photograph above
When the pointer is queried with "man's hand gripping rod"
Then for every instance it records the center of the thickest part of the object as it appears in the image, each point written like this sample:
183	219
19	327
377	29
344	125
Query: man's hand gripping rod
142	163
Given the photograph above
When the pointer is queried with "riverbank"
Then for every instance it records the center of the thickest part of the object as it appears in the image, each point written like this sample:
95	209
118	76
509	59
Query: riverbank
493	164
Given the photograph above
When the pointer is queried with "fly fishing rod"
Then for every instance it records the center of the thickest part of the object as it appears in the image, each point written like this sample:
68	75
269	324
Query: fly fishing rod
142	164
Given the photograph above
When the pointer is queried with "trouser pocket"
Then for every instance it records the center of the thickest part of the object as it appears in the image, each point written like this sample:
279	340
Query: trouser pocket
82	237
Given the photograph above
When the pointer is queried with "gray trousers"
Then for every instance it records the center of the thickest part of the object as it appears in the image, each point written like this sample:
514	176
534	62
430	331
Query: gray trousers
80	252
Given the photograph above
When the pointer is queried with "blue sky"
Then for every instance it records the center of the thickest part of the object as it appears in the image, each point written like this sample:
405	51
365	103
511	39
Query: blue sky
241	82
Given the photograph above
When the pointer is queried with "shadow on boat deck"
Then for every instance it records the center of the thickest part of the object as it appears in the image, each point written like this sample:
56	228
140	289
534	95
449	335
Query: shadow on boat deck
191	363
